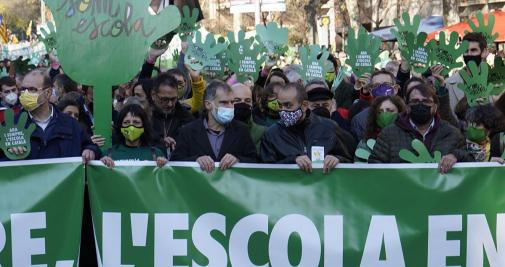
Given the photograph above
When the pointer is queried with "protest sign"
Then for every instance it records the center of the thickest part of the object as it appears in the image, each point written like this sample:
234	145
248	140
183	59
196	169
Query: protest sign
15	134
274	38
314	65
447	54
201	54
417	52
423	155
363	51
403	29
486	30
475	85
244	57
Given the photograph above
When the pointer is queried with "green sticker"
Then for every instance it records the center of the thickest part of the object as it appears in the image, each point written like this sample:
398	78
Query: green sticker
363	51
312	67
201	53
364	154
273	38
476	86
244	57
447	54
48	37
189	23
486	30
497	76
402	30
15	135
417	52
101	48
423	155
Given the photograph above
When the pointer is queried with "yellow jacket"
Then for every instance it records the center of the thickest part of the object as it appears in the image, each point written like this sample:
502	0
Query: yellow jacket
198	88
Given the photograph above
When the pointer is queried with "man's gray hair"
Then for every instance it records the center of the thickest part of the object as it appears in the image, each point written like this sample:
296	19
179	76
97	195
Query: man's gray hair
319	82
293	72
44	72
211	90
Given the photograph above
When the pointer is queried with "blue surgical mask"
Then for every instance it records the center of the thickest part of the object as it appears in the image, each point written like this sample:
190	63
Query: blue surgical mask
223	115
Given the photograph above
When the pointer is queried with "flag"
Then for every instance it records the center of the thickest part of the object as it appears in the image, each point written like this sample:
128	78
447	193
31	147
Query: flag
4	37
29	30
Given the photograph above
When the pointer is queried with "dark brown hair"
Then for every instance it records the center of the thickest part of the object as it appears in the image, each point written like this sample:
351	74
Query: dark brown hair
476	37
372	129
425	89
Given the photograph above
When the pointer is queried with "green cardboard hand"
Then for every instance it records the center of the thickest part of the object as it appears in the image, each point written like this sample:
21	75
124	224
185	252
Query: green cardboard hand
423	155
312	67
363	51
48	37
189	23
497	76
486	30
363	153
219	63
417	52
447	53
202	53
402	30
244	57
476	86
22	66
15	135
338	79
273	38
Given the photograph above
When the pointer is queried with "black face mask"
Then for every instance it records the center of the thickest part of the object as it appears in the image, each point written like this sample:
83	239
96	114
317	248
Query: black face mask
243	112
322	112
420	114
476	59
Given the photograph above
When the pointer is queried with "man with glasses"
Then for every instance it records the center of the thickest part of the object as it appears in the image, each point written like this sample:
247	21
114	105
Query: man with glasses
57	135
422	122
168	114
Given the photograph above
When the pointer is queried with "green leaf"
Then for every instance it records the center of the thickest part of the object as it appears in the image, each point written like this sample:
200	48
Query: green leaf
423	155
363	51
475	85
202	52
273	37
15	135
418	53
244	57
447	53
486	30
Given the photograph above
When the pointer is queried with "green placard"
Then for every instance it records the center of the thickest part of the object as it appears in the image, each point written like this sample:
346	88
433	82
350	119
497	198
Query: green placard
15	134
244	57
423	155
486	30
314	68
363	50
448	53
497	76
417	52
201	54
106	45
408	26
189	23
476	87
48	37
364	154
273	37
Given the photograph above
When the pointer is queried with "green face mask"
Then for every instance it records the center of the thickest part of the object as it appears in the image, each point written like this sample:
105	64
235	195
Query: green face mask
132	133
273	105
386	118
476	135
330	76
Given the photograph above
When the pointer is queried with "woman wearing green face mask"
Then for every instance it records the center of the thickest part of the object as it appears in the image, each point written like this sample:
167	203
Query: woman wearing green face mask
133	132
383	112
485	133
267	111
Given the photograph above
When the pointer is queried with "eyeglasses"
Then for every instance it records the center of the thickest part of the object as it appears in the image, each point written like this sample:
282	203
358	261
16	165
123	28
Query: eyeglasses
166	99
30	89
426	101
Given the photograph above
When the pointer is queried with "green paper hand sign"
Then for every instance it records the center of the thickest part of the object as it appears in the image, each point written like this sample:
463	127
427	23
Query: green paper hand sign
22	66
243	57
497	76
273	38
48	37
417	52
363	153
219	63
486	30
189	23
202	53
476	86
423	155
312	67
447	53
363	51
103	47
15	135
402	30
338	79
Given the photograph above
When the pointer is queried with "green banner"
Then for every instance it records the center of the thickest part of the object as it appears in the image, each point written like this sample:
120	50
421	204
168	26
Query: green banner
40	212
263	215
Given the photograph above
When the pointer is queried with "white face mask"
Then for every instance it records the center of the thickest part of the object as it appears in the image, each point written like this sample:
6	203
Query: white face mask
11	98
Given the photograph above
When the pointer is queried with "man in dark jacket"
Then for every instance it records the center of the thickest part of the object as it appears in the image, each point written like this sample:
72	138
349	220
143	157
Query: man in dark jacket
423	123
168	114
216	137
299	135
57	135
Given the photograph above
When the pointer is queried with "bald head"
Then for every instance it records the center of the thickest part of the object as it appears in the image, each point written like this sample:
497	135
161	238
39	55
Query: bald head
243	93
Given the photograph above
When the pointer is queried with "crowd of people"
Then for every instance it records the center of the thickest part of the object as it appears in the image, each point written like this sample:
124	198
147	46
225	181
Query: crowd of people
182	115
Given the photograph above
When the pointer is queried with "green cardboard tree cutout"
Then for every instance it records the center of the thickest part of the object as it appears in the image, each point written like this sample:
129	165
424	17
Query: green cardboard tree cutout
402	30
497	76
48	37
15	135
312	67
363	153
417	52
102	48
219	63
202	53
273	38
363	51
244	57
447	54
423	155
189	23
476	86
486	30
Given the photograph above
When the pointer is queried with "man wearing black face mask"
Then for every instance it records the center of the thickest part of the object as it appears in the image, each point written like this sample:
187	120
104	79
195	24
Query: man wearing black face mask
476	52
421	121
300	137
243	112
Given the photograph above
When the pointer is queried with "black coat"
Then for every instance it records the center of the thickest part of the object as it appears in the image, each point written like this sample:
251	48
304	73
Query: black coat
193	142
168	124
283	145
